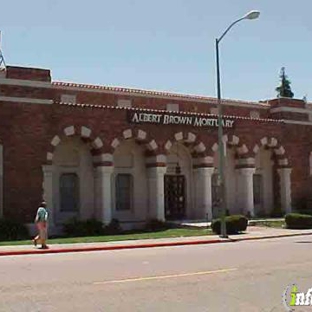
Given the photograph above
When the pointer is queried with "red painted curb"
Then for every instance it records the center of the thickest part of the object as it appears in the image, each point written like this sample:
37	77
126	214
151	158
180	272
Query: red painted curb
272	236
151	245
103	248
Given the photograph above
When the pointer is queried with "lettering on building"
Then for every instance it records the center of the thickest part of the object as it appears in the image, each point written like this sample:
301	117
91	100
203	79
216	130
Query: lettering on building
172	119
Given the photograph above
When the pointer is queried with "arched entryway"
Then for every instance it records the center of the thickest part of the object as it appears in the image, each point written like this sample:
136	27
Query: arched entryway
69	183
187	175
73	181
271	181
129	182
263	182
178	183
136	178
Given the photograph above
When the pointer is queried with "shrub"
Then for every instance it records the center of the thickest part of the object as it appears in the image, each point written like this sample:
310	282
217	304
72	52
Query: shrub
76	228
262	214
304	211
234	224
276	213
156	225
12	230
113	227
298	221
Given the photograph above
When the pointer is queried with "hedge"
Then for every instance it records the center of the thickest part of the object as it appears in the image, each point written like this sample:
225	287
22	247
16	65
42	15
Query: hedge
76	228
156	225
90	227
12	230
298	221
234	224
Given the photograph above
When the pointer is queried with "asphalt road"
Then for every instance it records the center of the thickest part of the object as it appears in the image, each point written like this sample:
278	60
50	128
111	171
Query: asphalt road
243	276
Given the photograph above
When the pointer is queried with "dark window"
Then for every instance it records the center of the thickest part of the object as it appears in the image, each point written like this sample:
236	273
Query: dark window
124	190
69	192
257	189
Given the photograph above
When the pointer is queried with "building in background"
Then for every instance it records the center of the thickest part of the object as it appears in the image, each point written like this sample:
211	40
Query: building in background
134	155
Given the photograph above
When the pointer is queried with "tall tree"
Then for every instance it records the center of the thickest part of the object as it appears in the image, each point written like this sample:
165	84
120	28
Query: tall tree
284	89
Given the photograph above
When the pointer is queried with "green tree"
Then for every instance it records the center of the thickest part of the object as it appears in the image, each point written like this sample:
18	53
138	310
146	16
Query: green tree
284	89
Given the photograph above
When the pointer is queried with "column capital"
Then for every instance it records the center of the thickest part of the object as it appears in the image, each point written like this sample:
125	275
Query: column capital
156	161
202	162
285	170
104	159
248	162
47	169
104	169
246	170
283	163
153	171
205	171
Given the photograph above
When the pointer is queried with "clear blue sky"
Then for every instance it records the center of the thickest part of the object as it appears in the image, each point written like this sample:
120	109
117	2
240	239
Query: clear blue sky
164	44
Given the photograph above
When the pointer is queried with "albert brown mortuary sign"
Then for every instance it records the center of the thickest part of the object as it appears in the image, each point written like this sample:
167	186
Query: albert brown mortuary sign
175	119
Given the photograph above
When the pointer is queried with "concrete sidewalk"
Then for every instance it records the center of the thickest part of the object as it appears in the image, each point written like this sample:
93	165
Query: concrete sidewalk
252	233
205	224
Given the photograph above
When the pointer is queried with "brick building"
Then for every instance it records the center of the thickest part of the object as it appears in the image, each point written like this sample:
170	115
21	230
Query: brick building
131	154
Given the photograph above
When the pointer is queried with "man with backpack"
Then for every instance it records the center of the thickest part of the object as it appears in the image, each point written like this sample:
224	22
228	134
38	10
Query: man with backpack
41	221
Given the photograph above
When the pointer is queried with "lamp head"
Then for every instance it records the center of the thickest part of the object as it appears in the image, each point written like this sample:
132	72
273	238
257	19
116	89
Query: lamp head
252	15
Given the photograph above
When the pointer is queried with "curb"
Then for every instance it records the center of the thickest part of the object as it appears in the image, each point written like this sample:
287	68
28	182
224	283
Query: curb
140	246
103	248
271	236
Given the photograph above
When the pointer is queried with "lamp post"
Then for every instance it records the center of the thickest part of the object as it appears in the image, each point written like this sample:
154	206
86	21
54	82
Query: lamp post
250	16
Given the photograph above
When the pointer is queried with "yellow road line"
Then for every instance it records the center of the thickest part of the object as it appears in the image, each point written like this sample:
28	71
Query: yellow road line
149	278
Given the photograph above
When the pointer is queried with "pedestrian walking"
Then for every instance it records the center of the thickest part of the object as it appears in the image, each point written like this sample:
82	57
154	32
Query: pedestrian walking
41	221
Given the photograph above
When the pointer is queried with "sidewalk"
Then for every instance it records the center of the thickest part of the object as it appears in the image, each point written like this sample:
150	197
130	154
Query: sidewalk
205	224
252	233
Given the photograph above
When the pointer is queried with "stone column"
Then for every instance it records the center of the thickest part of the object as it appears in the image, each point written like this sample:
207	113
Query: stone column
47	186
103	192
156	199
245	190
203	197
285	189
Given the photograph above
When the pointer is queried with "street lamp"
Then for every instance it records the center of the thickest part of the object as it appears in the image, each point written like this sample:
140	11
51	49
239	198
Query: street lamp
250	16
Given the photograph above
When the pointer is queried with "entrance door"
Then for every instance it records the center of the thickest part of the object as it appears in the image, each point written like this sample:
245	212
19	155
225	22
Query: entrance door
174	197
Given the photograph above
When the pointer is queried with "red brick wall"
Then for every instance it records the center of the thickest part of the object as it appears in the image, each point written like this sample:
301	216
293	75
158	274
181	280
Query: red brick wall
26	131
34	74
101	98
290	116
287	102
26	92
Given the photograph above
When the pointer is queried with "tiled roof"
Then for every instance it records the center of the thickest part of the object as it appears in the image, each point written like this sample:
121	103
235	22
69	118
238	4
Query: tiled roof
166	94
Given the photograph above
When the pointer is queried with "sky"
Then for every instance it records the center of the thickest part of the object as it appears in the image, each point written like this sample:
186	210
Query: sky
164	45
